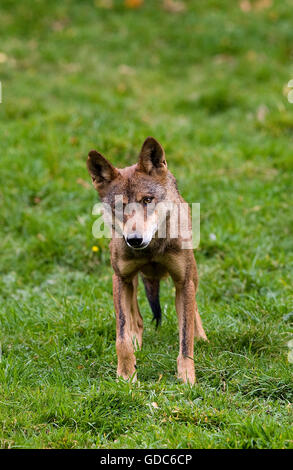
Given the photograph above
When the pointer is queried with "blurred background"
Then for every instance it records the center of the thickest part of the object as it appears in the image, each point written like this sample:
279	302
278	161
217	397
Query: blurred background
209	80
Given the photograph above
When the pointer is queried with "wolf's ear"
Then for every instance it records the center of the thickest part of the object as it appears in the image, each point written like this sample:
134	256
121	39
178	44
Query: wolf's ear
101	171
152	158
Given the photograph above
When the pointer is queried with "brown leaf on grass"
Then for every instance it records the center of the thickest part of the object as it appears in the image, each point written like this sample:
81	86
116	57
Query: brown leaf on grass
263	4
73	140
3	57
60	25
174	6
223	59
245	6
71	67
41	237
107	4
126	70
83	183
146	119
133	3
252	209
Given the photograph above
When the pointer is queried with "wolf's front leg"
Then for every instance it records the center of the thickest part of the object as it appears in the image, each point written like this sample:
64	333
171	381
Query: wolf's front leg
123	297
185	306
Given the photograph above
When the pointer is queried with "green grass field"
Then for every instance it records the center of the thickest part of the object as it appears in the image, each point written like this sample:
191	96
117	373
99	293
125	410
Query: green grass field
209	82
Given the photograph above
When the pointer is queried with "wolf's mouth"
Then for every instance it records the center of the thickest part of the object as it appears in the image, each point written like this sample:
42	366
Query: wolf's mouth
142	247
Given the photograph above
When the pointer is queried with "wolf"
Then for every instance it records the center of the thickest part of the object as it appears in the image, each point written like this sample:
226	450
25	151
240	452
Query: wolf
136	249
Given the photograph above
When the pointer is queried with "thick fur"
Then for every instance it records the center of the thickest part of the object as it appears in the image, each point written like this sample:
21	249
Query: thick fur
149	177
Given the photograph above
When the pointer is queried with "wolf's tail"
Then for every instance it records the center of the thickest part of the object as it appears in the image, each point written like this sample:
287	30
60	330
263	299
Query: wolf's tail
152	289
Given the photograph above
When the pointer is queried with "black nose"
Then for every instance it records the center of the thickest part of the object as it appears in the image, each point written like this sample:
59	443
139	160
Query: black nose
134	240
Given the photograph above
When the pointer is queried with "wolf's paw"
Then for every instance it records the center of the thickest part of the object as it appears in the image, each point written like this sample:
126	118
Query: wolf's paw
201	336
186	371
128	376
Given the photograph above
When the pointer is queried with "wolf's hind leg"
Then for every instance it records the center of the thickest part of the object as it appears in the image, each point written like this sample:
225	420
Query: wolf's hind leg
152	289
198	328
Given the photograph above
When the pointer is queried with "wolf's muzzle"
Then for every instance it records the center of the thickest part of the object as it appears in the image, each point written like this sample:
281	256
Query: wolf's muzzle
134	240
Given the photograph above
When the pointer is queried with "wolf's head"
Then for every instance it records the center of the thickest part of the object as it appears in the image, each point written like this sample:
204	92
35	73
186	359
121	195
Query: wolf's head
133	193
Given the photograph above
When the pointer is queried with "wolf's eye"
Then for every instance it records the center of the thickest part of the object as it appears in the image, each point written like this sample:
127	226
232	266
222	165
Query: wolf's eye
147	200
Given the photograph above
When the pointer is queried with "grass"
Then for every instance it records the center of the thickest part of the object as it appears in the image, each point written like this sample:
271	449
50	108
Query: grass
210	84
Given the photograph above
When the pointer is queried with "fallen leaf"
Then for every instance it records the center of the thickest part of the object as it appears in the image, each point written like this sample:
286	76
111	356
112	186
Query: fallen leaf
108	4
59	25
81	219
73	140
254	209
133	3
3	57
41	237
125	69
262	112
223	59
174	6
263	4
245	6
83	183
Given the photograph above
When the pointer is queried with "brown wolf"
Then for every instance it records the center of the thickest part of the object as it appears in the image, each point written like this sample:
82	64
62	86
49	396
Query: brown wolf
139	250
